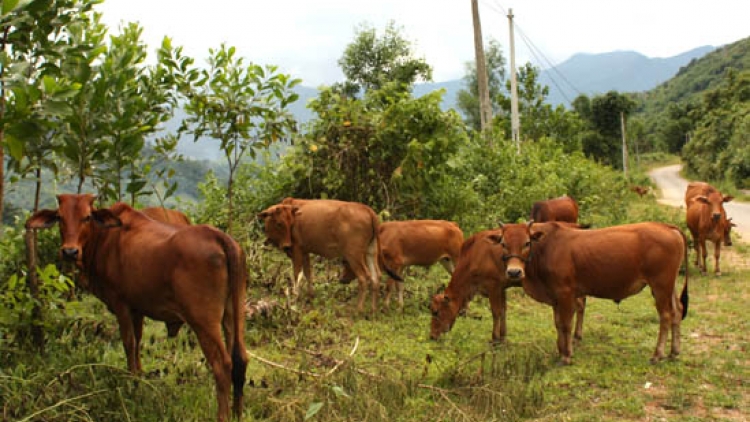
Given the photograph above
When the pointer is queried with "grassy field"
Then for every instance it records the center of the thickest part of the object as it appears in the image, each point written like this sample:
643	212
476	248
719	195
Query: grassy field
317	360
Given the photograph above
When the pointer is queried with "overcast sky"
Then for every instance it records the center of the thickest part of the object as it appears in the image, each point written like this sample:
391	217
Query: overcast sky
307	37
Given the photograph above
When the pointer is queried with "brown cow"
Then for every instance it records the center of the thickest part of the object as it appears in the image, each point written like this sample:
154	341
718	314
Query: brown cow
418	242
563	208
331	229
142	268
640	190
707	221
558	264
481	270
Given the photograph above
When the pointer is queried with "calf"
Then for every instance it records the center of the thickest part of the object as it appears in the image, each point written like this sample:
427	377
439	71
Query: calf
143	268
331	229
557	264
481	270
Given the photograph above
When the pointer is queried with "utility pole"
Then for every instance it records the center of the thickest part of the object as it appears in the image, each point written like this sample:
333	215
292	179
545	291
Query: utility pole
515	123
485	108
624	145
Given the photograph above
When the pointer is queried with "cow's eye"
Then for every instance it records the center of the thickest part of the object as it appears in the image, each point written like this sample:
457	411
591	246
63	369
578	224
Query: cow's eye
528	244
86	219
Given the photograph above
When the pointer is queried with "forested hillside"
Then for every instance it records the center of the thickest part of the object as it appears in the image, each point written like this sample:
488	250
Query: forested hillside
703	113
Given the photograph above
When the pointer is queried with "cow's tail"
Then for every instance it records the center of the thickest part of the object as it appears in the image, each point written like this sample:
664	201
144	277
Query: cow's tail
379	251
237	285
684	298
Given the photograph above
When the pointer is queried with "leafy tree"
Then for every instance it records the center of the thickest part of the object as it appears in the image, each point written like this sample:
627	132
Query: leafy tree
468	98
33	94
372	61
603	139
241	106
388	150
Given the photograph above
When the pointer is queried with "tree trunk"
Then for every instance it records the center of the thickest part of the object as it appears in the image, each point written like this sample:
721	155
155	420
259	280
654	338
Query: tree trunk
3	42
32	282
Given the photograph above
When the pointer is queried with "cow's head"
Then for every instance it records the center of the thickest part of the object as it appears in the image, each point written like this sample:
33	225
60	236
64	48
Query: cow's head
715	201
278	222
75	214
444	311
516	242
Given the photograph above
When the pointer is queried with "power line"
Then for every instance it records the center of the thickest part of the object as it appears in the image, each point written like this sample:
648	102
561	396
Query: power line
536	52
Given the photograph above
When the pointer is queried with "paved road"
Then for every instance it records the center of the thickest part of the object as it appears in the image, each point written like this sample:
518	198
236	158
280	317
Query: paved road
673	188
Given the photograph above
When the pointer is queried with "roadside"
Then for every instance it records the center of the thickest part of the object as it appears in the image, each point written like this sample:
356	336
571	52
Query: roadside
673	186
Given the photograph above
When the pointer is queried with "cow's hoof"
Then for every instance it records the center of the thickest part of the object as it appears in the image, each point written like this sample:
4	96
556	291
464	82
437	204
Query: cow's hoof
717	273
656	359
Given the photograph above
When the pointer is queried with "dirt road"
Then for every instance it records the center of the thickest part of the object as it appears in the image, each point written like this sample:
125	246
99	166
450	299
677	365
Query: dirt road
673	188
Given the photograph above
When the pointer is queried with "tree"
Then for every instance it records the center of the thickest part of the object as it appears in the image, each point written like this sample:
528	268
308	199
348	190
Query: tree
603	139
34	44
241	106
371	61
468	98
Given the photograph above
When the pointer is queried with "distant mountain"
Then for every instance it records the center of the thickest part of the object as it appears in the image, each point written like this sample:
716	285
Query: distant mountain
623	71
590	74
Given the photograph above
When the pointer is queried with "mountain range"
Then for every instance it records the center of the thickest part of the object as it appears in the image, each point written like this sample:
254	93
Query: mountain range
590	74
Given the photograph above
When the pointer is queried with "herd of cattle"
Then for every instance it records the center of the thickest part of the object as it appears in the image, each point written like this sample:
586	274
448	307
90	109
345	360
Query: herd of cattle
154	263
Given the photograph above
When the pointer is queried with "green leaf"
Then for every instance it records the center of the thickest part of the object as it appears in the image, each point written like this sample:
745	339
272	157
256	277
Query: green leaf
313	409
15	146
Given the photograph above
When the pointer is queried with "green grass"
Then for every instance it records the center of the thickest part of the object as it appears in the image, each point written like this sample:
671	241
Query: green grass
395	373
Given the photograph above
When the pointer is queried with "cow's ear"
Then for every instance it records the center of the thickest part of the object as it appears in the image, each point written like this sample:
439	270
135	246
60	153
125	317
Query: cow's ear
702	199
537	235
42	219
728	198
495	238
295	210
105	219
262	215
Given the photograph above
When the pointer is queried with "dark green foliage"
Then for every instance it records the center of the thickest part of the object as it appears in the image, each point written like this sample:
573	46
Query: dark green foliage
718	148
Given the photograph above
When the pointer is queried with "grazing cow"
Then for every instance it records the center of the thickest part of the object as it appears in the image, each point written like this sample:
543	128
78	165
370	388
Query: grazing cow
563	208
707	221
331	229
143	268
558	264
418	242
481	270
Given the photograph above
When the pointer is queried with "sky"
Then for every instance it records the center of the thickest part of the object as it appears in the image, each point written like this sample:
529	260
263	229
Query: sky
306	38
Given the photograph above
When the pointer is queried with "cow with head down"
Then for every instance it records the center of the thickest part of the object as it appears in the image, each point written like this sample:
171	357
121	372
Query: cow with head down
480	270
142	268
557	264
707	221
331	229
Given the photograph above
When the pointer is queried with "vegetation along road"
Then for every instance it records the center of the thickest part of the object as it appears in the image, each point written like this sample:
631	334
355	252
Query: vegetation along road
673	188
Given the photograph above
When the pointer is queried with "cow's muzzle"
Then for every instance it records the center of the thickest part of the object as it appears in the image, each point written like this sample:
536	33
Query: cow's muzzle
514	273
71	254
715	217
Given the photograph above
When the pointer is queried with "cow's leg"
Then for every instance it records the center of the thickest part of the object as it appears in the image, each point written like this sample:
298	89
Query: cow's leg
717	255
703	255
396	267
697	247
498	304
306	268
137	335
564	310
125	321
209	337
664	306
580	310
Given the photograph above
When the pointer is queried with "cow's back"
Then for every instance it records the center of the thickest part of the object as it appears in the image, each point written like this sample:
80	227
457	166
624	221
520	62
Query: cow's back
329	227
695	189
563	208
166	215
